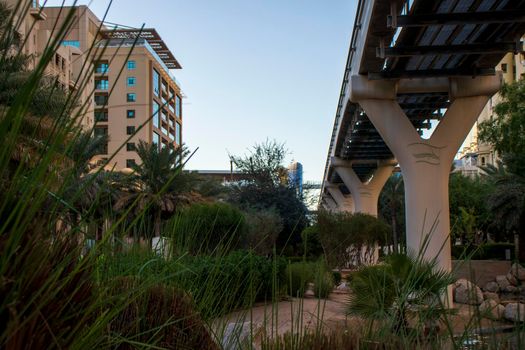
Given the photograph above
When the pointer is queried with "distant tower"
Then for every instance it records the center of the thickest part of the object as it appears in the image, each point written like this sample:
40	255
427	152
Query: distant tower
295	177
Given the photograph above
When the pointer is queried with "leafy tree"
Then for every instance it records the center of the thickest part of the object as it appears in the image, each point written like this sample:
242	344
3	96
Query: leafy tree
505	131
469	214
266	189
264	163
350	238
263	228
392	208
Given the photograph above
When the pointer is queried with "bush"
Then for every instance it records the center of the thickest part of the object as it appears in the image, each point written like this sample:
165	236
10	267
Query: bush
161	316
263	228
298	276
487	251
218	284
324	282
343	235
206	228
310	244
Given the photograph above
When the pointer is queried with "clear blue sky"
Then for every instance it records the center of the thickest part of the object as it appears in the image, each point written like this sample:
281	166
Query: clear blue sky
252	70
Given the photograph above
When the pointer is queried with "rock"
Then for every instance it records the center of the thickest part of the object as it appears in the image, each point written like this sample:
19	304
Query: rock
491	287
237	335
492	296
510	289
513	280
491	309
517	271
309	294
342	287
502	281
466	292
515	312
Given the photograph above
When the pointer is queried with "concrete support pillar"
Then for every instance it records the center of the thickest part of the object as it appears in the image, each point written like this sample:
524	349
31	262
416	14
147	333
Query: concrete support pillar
366	195
343	203
425	164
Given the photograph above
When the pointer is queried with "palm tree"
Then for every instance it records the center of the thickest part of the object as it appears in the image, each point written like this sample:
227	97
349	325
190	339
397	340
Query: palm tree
507	202
387	291
157	186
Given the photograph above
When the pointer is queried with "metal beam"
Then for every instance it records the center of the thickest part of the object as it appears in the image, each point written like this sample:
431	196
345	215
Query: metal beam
423	20
424	73
467	49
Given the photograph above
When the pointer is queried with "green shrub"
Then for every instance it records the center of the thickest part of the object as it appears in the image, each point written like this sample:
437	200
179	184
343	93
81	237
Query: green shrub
298	276
311	246
323	283
206	228
218	284
263	228
161	316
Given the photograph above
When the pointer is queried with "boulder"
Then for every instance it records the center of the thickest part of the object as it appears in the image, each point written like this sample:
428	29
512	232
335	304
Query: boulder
491	309
492	296
466	292
502	281
342	287
515	312
517	271
510	289
491	287
513	280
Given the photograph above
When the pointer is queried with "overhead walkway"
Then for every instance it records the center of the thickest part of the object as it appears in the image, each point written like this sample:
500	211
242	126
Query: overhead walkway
412	64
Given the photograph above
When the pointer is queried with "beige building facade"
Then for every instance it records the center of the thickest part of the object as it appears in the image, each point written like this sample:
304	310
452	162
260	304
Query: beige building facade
136	98
122	78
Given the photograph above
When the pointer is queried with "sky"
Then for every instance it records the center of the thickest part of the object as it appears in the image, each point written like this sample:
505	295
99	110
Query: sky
252	70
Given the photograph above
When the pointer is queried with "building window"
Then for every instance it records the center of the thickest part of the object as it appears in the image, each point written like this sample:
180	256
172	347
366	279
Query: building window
101	84
130	130
101	100
164	130
132	65
101	116
74	43
156	138
130	146
130	114
504	67
483	161
131	81
156	82
177	133
156	108
130	163
178	107
131	97
101	67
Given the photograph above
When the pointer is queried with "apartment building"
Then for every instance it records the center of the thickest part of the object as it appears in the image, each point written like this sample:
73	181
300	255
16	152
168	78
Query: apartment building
69	66
136	96
122	77
474	153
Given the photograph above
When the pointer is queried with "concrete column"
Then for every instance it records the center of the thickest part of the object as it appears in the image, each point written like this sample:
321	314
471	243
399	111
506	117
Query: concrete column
366	195
343	203
425	164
